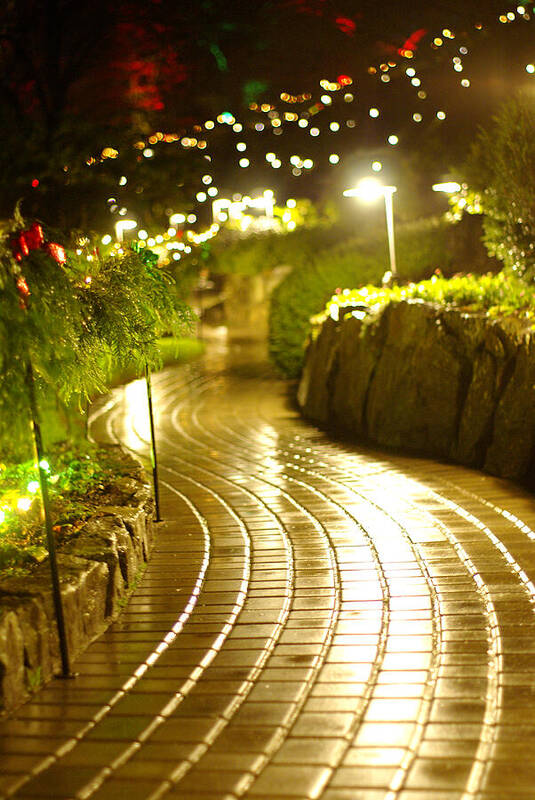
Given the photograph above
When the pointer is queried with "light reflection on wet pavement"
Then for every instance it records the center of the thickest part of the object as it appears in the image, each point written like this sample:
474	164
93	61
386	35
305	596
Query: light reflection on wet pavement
318	620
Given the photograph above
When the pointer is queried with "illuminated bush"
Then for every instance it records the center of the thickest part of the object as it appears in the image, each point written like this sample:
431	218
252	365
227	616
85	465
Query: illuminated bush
501	168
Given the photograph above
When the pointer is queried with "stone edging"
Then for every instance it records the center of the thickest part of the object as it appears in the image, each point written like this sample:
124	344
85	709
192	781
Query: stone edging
97	570
429	379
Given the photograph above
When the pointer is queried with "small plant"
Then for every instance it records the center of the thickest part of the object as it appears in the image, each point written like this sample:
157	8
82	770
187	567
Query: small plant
496	295
80	479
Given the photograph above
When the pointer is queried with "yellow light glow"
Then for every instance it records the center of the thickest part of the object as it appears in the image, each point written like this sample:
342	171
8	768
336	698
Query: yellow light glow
159	238
334	158
530	68
374	113
291	203
201	197
24	503
303	123
209	124
377	166
2	516
207	179
393	139
244	163
151	242
171	232
241	146
314	131
106	239
177	219
334	126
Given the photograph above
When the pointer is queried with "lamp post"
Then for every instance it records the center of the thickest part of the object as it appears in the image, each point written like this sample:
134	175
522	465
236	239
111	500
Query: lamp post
370	189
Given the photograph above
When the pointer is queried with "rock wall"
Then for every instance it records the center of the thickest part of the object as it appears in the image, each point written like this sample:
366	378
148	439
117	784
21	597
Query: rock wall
97	570
429	379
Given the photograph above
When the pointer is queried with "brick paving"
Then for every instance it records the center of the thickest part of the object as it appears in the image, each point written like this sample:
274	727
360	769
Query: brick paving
318	620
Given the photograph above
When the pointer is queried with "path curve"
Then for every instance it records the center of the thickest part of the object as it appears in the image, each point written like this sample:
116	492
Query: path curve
318	620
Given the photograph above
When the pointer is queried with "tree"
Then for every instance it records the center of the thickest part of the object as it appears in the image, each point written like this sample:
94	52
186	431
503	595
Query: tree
501	168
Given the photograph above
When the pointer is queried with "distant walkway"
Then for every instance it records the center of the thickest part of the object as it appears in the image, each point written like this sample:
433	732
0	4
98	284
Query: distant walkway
318	620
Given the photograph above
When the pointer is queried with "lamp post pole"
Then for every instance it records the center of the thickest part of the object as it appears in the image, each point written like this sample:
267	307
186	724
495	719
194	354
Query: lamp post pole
389	208
368	190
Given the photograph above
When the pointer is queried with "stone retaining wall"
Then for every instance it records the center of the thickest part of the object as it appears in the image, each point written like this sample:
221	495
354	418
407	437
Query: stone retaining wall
429	379
97	569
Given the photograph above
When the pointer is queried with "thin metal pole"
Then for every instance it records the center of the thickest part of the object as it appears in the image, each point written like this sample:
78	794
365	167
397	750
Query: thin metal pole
389	207
51	543
153	458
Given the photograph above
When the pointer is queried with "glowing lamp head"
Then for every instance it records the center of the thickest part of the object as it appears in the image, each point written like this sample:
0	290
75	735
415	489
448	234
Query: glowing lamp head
449	187
369	189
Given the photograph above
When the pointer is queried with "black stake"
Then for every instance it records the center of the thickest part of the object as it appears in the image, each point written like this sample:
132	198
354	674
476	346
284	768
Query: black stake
153	459
51	544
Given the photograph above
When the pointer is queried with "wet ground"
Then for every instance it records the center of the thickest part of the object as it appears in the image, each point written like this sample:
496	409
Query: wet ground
318	620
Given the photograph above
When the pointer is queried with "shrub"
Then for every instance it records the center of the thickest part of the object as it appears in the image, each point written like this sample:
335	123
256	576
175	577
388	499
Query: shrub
421	248
501	168
496	295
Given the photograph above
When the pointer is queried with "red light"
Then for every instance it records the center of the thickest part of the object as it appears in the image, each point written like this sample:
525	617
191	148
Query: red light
35	183
346	25
344	80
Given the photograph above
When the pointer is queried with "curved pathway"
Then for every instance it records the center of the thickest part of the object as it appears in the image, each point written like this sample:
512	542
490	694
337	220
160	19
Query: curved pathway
318	620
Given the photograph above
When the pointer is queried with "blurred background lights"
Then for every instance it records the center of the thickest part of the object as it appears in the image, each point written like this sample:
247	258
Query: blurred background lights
270	157
334	158
308	163
244	162
106	239
148	152
373	112
142	234
348	97
192	218
201	197
176	219
530	68
334	126
241	146
441	114
377	166
393	139
303	123
291	203
213	191
24	503
123	180
326	99
206	179
314	131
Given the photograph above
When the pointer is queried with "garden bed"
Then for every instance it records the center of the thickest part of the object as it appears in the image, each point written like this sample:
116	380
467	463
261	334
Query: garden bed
102	551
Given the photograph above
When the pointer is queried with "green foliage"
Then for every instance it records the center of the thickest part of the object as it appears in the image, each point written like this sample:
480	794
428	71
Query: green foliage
496	295
71	325
501	169
260	252
78	479
421	248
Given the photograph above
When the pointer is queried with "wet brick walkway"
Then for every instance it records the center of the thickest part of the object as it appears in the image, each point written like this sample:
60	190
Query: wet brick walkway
318	620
